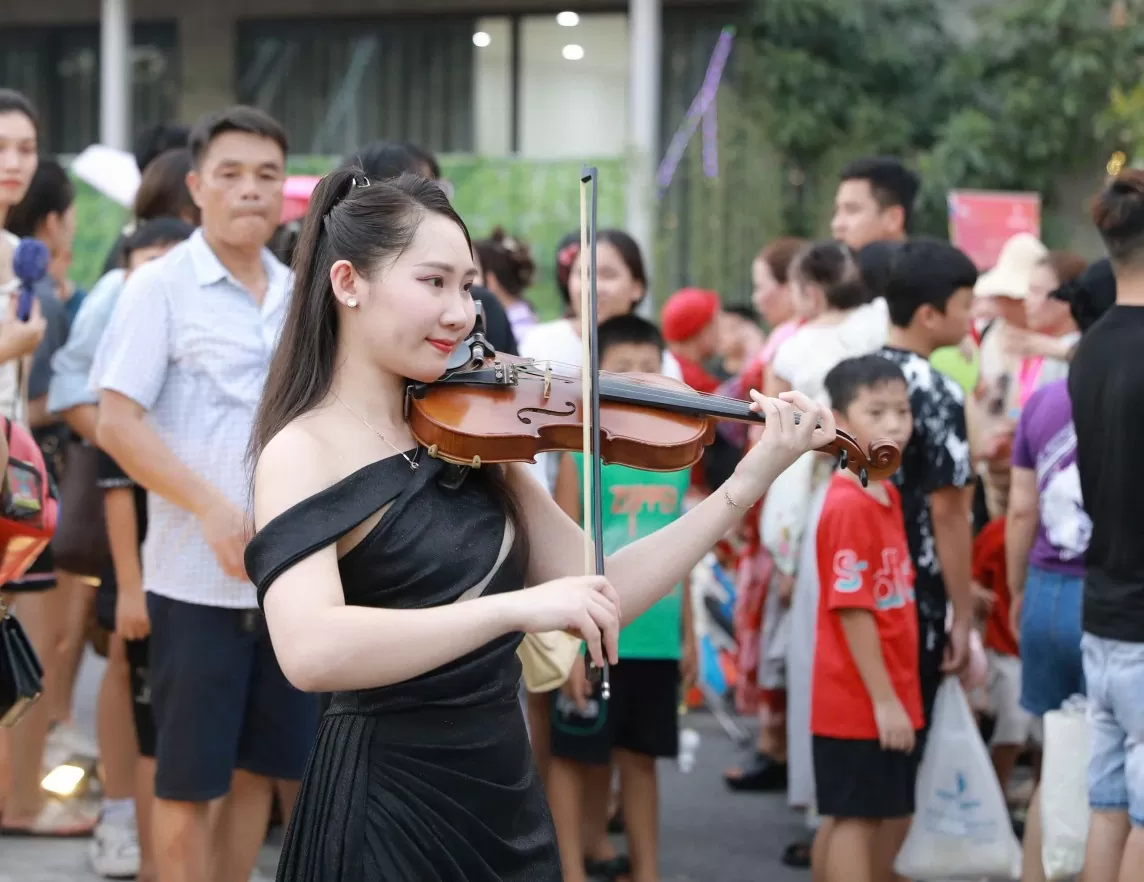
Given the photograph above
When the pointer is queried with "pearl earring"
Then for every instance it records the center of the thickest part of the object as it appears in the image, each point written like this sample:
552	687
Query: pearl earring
351	302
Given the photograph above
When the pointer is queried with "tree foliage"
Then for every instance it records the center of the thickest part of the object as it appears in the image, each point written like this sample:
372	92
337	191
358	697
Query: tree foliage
1009	94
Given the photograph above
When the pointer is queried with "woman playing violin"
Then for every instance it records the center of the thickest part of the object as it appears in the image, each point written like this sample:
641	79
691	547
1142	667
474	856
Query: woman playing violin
403	584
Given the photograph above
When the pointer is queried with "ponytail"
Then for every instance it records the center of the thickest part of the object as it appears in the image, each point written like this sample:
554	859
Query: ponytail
352	219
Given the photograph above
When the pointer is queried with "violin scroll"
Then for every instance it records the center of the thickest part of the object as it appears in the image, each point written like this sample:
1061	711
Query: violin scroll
878	462
884	457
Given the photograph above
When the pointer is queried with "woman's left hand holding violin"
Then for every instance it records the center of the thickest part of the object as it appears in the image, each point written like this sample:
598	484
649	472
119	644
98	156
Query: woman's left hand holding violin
783	441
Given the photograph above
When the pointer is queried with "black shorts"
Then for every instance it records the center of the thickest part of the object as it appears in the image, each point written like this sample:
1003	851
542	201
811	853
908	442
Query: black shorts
855	778
642	715
106	596
221	702
40	576
139	665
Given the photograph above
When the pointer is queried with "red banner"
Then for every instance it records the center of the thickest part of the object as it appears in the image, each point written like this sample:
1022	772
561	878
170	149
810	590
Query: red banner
296	196
982	221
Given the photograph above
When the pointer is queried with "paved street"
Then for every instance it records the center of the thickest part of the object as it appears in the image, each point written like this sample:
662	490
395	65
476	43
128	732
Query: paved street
707	834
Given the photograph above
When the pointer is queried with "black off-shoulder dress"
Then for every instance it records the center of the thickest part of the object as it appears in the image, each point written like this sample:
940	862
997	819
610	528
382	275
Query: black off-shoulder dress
430	780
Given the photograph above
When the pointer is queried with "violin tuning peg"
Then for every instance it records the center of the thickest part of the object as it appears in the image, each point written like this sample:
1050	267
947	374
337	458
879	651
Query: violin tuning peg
864	477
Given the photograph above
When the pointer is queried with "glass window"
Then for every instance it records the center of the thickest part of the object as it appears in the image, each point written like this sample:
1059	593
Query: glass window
492	86
574	86
336	86
58	69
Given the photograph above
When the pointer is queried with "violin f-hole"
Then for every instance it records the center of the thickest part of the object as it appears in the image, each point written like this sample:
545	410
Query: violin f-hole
559	413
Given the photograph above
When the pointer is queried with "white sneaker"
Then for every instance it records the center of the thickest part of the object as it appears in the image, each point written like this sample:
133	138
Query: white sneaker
64	743
115	850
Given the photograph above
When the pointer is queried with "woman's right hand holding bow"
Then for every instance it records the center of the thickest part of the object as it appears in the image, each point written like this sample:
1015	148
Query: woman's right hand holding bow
585	606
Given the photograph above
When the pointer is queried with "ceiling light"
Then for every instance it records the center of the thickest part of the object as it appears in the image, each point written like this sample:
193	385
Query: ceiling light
573	52
567	19
481	39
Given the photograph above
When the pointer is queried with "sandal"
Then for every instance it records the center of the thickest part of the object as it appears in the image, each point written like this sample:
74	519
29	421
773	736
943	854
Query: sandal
57	820
797	855
620	865
759	774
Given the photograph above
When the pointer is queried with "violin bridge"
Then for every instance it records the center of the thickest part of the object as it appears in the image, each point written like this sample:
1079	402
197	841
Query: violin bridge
547	380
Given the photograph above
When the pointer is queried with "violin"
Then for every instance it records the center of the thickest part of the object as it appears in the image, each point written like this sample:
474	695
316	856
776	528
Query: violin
495	408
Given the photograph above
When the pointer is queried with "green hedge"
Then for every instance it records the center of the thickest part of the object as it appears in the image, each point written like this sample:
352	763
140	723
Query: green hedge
538	202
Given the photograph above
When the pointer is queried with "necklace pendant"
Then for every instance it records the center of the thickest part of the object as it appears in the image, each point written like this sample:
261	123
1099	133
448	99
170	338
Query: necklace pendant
414	466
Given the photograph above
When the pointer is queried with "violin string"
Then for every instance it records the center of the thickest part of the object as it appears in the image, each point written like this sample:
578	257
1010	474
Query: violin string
635	381
620	380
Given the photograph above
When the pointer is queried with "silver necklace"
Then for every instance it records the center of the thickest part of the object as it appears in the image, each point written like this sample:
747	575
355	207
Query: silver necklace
412	463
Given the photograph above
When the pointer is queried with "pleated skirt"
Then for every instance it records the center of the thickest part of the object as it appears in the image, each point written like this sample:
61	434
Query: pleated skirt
436	797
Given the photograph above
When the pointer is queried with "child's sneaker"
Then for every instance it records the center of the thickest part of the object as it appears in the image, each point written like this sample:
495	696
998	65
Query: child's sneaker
115	849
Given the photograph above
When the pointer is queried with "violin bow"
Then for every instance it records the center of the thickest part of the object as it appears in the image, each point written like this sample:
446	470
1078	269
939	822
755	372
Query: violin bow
592	470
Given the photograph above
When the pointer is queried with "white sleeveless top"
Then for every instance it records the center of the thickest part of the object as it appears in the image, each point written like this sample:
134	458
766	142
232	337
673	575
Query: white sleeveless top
13	398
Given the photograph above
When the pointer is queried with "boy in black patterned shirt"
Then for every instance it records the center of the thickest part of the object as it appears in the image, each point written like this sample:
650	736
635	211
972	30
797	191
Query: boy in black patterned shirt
929	294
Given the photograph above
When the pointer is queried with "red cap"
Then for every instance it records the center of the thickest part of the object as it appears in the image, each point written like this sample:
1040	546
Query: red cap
687	312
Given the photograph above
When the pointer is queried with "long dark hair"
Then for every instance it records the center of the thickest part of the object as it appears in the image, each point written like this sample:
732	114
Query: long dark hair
163	188
50	192
12	101
368	223
349	218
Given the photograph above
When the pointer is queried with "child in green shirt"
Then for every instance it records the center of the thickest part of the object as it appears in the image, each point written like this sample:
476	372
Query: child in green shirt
640	721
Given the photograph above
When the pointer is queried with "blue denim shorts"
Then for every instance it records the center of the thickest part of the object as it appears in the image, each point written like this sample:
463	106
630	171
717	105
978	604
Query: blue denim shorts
1114	671
1050	640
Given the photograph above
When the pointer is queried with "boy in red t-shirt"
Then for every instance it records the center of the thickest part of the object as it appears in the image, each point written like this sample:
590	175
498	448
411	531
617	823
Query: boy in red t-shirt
866	702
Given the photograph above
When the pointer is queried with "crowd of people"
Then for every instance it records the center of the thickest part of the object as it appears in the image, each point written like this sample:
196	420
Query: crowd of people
311	619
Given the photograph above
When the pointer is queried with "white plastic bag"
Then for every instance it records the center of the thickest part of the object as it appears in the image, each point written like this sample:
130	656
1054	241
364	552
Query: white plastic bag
961	825
1064	790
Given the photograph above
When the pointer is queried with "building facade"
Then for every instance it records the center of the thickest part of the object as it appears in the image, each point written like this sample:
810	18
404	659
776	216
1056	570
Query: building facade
531	78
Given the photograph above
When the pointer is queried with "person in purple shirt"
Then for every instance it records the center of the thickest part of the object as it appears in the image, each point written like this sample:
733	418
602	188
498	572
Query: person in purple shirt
1046	536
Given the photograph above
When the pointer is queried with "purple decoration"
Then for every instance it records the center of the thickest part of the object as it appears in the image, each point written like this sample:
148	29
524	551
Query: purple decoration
701	107
710	143
29	264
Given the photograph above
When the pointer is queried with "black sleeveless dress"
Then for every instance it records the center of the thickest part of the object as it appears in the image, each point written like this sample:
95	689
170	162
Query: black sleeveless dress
430	780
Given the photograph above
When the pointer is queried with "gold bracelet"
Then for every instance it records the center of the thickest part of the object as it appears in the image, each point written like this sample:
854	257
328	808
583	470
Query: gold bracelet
727	495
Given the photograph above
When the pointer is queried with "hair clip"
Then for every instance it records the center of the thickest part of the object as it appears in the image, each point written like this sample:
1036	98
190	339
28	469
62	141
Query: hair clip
363	181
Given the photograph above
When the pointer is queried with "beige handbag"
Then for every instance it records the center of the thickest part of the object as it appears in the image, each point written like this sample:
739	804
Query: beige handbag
547	659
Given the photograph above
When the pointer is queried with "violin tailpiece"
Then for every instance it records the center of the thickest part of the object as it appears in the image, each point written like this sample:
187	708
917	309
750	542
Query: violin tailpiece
473	462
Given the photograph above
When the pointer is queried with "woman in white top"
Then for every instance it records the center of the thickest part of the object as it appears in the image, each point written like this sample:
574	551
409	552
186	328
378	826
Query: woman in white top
621	285
18	161
24	808
843	321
